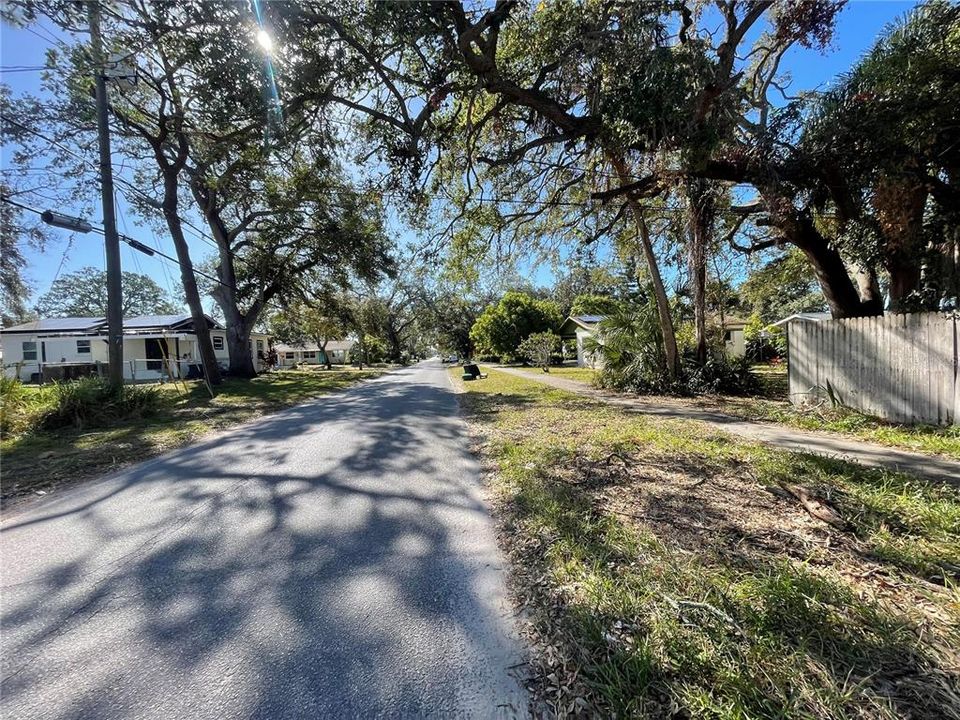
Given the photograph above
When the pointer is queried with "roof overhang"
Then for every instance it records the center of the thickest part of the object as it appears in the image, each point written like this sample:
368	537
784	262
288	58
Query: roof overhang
570	325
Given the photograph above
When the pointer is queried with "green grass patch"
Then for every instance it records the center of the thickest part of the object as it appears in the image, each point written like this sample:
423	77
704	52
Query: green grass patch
922	438
36	459
669	572
582	374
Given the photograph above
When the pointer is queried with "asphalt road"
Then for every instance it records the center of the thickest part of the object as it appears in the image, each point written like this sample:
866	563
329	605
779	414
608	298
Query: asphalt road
333	560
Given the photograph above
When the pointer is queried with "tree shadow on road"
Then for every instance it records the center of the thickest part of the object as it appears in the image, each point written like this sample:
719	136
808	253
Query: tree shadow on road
276	572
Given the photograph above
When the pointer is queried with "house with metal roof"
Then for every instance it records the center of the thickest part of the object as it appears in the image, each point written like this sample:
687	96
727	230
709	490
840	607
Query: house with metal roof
578	328
155	347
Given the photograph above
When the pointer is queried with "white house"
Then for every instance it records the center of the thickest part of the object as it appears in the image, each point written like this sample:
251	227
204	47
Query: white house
581	327
155	347
311	354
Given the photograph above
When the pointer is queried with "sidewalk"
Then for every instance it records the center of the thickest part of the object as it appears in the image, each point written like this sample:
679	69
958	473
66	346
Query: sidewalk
928	467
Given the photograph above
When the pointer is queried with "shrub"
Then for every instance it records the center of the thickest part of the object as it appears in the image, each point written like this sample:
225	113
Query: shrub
14	405
537	348
94	402
720	374
631	344
764	343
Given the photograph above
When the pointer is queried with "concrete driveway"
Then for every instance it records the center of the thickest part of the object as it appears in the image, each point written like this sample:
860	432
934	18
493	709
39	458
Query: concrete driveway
332	560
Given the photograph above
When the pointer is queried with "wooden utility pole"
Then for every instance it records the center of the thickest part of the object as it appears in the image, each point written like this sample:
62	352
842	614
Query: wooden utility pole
111	239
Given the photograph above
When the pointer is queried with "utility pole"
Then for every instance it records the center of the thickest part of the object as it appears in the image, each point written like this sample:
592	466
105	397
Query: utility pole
111	239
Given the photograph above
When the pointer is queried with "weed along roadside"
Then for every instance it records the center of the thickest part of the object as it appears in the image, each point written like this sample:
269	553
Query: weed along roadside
68	432
668	569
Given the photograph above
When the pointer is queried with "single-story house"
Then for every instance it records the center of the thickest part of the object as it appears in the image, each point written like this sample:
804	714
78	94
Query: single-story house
311	354
155	347
579	328
734	342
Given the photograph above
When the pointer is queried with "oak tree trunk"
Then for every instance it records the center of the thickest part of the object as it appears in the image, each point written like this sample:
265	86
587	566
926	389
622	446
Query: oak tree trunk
205	344
660	294
700	220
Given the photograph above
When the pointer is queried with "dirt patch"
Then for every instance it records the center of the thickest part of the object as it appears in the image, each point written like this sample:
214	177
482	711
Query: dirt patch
725	516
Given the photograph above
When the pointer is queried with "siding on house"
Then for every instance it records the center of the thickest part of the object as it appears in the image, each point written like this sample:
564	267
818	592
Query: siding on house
310	353
580	328
57	341
734	341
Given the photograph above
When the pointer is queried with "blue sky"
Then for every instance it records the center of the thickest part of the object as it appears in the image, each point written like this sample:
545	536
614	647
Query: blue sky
857	29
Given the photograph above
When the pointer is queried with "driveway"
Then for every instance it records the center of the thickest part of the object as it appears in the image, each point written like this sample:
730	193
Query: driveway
332	560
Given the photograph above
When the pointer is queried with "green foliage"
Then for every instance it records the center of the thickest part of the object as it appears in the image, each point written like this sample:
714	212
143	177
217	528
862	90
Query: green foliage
93	402
502	327
588	304
451	316
372	348
888	130
300	323
764	342
631	345
784	286
14	404
720	374
538	348
14	290
84	294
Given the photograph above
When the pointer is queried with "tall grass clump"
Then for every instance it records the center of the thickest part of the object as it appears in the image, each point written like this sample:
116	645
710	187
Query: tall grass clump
14	406
91	402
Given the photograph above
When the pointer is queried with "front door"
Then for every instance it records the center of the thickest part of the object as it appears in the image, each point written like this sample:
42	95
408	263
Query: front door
156	350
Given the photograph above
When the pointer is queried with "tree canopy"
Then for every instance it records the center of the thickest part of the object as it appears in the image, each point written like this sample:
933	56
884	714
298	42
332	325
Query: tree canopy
83	293
501	327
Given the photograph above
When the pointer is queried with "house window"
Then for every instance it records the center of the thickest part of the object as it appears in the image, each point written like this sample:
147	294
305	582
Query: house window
29	350
289	356
218	342
309	355
728	336
259	345
83	347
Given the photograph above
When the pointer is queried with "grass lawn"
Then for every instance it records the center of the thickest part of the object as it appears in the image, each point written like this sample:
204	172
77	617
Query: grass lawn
583	374
668	569
922	438
43	460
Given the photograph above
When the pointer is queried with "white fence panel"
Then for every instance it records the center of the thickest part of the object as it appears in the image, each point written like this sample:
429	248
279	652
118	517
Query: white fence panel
899	367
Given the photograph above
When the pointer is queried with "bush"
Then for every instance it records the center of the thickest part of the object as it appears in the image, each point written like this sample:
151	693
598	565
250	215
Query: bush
764	343
720	374
14	405
94	402
537	348
639	377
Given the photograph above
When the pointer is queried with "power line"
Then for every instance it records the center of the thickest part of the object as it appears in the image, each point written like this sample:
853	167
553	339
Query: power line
122	181
132	242
199	234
